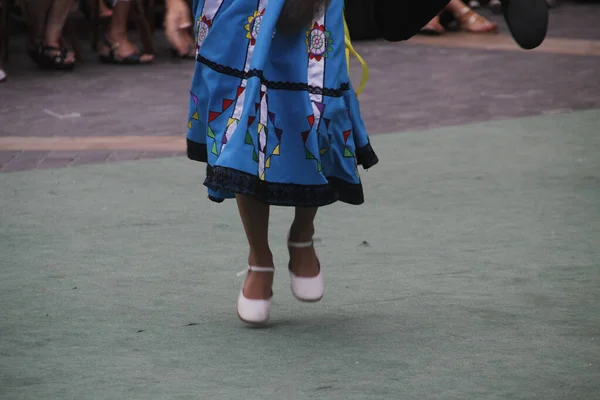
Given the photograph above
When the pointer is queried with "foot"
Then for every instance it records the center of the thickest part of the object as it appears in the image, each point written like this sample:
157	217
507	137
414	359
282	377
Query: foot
254	300
307	282
259	284
177	26
434	27
52	56
184	47
470	21
303	259
123	49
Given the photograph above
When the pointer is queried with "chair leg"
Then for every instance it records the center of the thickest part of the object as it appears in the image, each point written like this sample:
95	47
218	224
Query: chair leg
150	16
95	25
4	33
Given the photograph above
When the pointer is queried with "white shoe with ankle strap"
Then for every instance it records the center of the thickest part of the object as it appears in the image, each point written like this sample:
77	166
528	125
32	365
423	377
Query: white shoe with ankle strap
254	311
308	289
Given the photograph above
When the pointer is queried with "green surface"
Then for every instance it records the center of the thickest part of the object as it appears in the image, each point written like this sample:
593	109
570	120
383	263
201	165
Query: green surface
472	272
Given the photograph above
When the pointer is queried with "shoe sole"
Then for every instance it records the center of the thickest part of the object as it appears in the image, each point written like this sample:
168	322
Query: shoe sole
307	301
252	323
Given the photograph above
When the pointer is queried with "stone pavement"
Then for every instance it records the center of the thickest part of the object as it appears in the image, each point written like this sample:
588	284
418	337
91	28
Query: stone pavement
425	83
474	275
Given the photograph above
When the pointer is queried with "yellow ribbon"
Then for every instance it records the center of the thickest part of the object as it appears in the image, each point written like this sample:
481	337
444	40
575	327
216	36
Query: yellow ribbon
350	50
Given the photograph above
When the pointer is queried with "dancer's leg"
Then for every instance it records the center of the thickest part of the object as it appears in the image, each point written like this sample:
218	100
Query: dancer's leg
255	218
303	260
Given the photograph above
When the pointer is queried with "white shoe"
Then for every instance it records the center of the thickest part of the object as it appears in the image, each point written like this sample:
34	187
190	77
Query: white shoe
307	289
254	311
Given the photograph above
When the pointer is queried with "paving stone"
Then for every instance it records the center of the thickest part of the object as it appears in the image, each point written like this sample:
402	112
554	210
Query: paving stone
91	157
7	156
161	154
58	159
125	155
25	161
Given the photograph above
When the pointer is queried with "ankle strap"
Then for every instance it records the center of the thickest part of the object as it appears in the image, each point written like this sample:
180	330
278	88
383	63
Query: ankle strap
300	245
256	269
260	269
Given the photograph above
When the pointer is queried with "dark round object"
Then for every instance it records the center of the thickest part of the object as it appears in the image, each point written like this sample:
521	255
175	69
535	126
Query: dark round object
527	21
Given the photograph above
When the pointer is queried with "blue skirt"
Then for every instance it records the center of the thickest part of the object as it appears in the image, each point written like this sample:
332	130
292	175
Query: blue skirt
274	116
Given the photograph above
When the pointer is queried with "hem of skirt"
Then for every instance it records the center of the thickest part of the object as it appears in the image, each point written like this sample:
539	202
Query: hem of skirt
282	194
274	193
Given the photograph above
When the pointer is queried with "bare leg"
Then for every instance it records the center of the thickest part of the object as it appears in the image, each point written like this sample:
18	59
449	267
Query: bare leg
117	32
255	218
303	260
36	12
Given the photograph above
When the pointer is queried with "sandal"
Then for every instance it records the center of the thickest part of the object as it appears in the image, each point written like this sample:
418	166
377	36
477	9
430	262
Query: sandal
307	289
51	57
470	21
134	58
433	27
189	54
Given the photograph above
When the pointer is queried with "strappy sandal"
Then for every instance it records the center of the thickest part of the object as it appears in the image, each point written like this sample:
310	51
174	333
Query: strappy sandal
469	21
189	54
307	289
111	58
51	57
433	27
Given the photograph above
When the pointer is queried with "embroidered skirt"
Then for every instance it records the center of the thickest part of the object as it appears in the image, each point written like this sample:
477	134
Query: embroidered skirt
274	116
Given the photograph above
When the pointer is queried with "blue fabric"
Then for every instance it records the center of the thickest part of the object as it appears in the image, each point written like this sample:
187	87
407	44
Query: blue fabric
275	115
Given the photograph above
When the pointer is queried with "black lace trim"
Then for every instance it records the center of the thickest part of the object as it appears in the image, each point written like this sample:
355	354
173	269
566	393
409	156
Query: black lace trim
283	194
297	86
280	194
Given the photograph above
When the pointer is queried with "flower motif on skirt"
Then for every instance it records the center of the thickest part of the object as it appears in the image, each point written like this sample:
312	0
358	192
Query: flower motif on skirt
253	26
319	42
